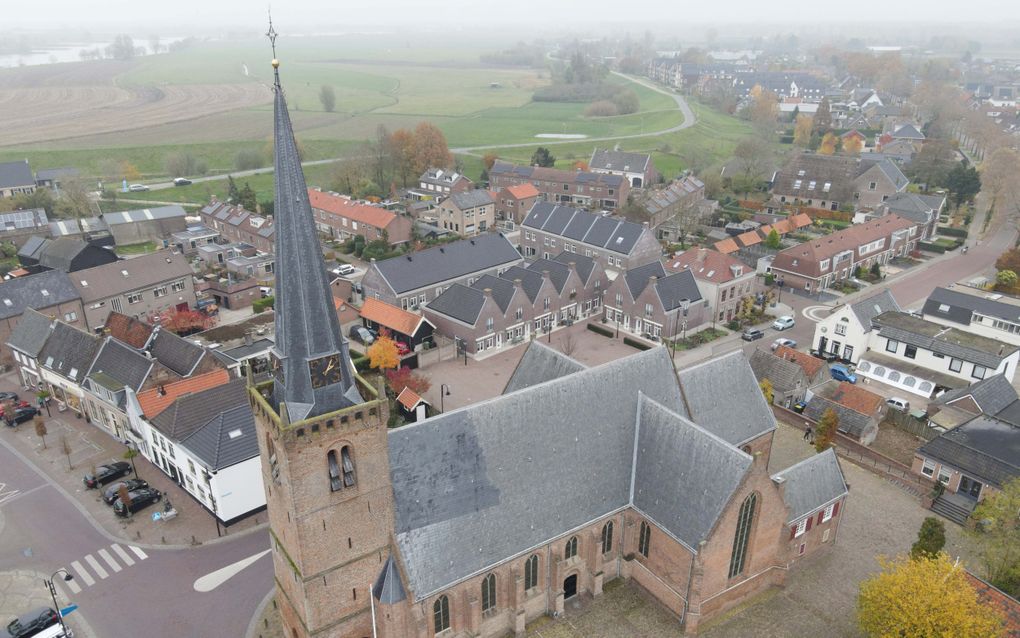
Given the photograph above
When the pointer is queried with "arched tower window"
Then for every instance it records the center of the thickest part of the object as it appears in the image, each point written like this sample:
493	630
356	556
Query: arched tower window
571	549
488	593
742	535
335	480
348	466
645	539
531	572
441	614
607	537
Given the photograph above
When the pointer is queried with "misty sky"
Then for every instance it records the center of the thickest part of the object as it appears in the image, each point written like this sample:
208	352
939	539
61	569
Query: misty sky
165	16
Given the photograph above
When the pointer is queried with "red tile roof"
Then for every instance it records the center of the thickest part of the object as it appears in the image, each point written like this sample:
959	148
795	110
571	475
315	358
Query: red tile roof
810	365
1007	606
800	220
750	238
131	331
805	259
783	226
707	265
390	316
523	191
857	399
152	402
363	213
409	399
726	246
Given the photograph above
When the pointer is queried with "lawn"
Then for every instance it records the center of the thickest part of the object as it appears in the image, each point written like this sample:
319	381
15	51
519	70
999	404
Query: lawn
136	249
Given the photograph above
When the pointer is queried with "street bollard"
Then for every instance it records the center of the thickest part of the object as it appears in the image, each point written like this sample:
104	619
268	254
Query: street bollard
163	538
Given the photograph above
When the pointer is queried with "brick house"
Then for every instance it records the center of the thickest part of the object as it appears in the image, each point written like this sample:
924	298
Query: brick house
723	280
236	225
646	301
26	342
815	265
440	183
414	279
790	372
467	213
583	188
921	209
514	202
859	410
835	181
51	293
341	218
636	168
616	244
682	199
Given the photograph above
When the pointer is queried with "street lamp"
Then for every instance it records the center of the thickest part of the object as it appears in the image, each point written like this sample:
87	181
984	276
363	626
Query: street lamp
53	593
684	305
444	391
780	282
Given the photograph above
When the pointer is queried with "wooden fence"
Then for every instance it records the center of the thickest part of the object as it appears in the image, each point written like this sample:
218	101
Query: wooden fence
907	423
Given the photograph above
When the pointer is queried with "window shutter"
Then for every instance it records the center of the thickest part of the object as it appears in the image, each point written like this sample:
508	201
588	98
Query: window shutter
793	531
835	509
809	524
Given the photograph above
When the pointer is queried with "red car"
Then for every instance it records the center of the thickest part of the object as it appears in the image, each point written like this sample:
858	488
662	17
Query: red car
17	405
402	348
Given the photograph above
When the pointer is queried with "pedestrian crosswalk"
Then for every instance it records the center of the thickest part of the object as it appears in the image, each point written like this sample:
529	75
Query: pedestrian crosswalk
89	570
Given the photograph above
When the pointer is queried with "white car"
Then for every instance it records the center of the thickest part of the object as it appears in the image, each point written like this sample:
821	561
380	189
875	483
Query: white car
138	188
783	323
344	269
782	341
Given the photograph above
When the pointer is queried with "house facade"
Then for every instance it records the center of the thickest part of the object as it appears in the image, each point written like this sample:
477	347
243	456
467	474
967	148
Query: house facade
236	225
467	213
982	313
26	342
846	331
440	183
789	371
722	279
514	202
636	168
63	363
581	188
342	218
16	179
50	293
647	301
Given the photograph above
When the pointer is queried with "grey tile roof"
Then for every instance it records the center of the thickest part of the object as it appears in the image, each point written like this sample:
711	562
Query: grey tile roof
143	215
870	307
13	174
539	364
744	415
191	412
684	475
101	282
908	131
180	355
121	363
962	306
619	236
951	342
69	352
584	265
502	289
531	280
893	172
992	394
388	588
813	483
850	421
477	485
472	198
228	439
781	373
35	291
637	278
463	303
30	335
242	352
558	272
619	161
984	447
306	321
450	261
677	288
32	248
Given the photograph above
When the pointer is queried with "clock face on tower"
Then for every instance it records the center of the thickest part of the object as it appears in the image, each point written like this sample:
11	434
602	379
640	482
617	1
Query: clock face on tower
325	370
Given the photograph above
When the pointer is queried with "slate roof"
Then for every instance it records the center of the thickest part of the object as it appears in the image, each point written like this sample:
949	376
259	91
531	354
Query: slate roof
992	394
984	447
558	271
812	484
192	411
101	282
781	373
674	289
388	588
30	335
619	236
892	172
144	215
461	302
531	280
14	174
32	248
619	161
471	199
69	352
850	421
539	364
180	355
870	307
637	278
450	261
908	131
59	253
584	265
227	439
122	364
539	173
951	342
962	306
42	290
917	208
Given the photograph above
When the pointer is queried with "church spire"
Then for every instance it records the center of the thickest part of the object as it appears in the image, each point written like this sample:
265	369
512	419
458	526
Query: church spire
312	367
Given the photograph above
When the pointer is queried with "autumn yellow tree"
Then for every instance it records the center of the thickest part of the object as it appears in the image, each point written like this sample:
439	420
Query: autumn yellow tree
852	145
129	171
383	354
802	130
828	145
923	597
767	390
430	149
763	110
826	430
488	160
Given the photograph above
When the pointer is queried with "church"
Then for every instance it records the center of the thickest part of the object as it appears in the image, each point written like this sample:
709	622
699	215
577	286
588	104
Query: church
479	520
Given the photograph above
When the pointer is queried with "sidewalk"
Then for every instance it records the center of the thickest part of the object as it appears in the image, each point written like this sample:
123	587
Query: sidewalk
89	446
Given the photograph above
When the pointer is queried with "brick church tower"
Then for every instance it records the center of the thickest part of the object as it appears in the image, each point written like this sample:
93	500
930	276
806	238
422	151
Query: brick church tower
322	432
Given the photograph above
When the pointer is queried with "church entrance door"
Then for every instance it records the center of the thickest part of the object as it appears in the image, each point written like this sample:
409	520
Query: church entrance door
570	587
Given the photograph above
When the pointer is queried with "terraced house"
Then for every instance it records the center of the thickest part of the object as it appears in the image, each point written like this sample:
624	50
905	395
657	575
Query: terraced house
646	301
342	218
581	188
235	224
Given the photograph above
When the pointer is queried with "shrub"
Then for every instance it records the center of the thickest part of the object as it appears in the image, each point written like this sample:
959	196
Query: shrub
930	247
605	332
262	304
634	343
949	231
247	159
602	108
733	324
626	102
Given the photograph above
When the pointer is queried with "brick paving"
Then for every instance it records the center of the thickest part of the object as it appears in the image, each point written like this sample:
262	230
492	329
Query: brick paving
91	446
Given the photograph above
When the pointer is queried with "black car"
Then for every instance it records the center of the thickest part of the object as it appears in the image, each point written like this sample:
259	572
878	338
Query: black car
8	396
106	473
112	492
751	334
31	623
182	181
24	414
140	499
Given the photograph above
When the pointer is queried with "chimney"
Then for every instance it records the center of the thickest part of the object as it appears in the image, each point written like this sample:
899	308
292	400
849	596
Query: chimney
247	338
702	254
161	390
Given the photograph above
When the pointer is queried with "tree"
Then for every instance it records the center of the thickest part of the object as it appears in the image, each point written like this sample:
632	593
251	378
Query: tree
125	497
964	183
1006	278
932	163
998	537
753	159
180	164
823	117
402	145
924	597
233	192
686	218
327	97
767	391
931	538
184	322
876	270
129	171
40	429
488	160
1000	172
763	111
65	447
122	48
826	430
430	149
542	157
129	455
803	125
247	159
852	144
404	377
246	198
382	354
828	145
772	240
1009	260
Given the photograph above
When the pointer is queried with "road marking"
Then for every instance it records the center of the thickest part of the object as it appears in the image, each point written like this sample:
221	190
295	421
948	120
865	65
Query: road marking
72	585
5	494
138	552
123	555
85	576
214	579
816	313
96	567
114	565
10	497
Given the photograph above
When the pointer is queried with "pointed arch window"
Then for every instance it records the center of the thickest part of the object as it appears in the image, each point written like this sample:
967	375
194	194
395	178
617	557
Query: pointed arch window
645	539
743	534
348	466
488	593
571	548
607	537
335	481
441	614
531	572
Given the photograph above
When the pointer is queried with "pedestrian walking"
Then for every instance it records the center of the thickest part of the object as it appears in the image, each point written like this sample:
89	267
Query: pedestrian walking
807	433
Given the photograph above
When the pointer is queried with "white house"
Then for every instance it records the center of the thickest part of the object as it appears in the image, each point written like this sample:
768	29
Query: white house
987	314
846	331
926	358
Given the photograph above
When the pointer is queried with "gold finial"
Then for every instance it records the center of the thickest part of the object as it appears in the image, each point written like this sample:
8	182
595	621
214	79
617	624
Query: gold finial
275	63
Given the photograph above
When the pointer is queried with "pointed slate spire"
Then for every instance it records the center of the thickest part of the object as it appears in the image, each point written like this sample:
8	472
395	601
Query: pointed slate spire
388	589
308	337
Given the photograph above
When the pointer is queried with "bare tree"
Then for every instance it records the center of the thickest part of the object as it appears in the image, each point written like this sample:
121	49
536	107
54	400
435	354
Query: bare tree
568	344
686	218
40	429
65	447
754	157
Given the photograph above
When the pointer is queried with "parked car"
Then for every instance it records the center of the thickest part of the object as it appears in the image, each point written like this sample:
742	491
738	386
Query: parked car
24	413
138	188
112	492
17	406
344	269
361	334
782	341
139	499
828	356
898	403
402	348
31	623
751	334
840	372
106	473
799	406
783	323
8	396
182	181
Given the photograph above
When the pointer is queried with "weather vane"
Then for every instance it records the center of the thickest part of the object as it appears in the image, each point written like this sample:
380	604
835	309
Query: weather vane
271	34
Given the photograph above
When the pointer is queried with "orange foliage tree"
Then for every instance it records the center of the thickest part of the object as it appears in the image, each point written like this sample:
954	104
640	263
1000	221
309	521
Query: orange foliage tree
383	354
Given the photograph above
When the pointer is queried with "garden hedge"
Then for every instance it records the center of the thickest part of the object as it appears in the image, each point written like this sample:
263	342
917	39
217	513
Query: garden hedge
930	247
634	343
949	231
605	332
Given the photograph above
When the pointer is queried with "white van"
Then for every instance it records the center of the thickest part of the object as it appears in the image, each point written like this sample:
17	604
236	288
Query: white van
54	631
